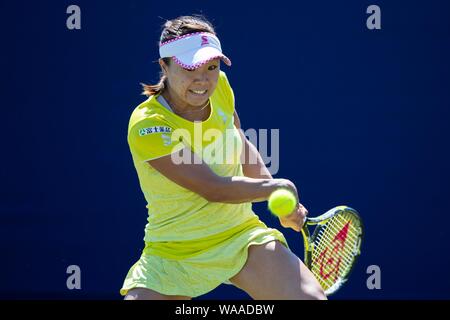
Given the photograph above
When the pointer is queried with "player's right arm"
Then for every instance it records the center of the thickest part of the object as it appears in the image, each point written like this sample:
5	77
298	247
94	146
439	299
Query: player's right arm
150	141
198	177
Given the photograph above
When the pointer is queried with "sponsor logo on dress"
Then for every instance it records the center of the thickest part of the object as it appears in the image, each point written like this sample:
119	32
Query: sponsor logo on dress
167	140
155	129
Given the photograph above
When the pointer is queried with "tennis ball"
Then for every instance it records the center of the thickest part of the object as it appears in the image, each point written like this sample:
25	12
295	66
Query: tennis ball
282	202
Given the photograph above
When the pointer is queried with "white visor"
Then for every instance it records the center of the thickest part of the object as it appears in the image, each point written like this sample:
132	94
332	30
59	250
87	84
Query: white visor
193	50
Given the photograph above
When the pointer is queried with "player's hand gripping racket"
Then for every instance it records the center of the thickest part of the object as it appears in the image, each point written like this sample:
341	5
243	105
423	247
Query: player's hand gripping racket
332	250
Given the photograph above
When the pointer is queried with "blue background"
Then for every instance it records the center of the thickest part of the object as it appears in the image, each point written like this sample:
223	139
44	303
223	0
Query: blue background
363	118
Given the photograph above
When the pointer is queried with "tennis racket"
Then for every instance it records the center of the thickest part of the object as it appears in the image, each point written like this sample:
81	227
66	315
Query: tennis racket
333	248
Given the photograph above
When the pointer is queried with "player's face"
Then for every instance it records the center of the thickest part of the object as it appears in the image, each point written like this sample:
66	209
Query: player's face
191	88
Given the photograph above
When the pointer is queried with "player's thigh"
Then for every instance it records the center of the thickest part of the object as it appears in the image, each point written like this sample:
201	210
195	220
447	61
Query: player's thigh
273	272
147	294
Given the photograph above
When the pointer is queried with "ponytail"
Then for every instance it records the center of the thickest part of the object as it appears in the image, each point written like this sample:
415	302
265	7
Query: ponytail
151	90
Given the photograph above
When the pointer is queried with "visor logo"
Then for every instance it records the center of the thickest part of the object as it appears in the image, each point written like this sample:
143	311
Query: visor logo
204	40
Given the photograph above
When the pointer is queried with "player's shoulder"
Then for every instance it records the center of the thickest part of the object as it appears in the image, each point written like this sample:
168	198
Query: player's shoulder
223	79
224	93
147	113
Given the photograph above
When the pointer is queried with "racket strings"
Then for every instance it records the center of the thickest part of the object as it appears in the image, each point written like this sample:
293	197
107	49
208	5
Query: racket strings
335	230
345	263
339	219
336	225
344	254
329	238
327	280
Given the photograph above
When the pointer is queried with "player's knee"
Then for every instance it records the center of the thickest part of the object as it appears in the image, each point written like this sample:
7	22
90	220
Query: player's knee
147	294
143	294
131	296
318	295
314	292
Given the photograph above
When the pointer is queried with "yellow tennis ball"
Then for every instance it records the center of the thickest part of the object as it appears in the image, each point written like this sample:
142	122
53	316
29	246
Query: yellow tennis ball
282	202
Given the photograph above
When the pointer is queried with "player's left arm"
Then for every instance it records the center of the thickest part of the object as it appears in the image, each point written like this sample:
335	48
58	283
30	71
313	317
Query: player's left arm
252	163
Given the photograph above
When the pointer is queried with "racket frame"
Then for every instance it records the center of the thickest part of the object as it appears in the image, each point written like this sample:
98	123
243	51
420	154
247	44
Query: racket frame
308	242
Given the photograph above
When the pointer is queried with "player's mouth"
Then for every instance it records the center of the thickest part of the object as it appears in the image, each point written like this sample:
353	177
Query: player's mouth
198	92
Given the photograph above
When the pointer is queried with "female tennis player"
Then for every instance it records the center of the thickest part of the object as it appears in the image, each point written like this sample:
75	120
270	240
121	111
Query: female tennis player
201	229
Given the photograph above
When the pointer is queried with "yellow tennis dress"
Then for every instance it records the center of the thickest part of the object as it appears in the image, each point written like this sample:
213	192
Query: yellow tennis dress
191	245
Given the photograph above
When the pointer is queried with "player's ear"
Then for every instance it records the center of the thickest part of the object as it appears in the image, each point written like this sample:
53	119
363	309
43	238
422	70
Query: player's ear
163	66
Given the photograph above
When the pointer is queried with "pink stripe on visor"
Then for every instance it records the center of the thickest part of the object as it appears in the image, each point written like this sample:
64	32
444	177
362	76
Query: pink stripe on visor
193	50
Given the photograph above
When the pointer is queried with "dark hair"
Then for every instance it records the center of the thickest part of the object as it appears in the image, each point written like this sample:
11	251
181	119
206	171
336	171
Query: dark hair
171	29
